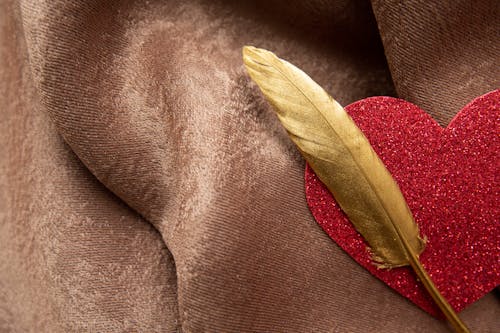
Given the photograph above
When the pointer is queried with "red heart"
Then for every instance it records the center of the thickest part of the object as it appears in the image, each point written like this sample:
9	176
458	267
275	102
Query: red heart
449	177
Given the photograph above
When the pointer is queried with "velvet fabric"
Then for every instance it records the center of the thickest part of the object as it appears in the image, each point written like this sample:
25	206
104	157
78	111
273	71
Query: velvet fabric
146	186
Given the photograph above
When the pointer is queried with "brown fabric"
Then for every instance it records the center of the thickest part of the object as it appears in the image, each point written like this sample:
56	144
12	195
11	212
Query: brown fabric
73	257
441	54
130	127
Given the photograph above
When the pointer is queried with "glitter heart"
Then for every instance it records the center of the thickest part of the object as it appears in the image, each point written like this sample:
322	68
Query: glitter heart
449	179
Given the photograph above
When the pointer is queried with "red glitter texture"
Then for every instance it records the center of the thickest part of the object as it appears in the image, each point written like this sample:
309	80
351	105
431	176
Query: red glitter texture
449	177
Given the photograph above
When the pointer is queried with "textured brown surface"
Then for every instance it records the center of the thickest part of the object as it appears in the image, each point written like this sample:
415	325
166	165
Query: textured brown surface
133	128
441	54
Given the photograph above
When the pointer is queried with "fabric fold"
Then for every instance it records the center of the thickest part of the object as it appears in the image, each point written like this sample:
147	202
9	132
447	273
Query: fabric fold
442	54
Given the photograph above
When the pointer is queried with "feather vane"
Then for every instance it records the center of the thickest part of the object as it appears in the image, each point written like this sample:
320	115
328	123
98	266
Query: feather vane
341	156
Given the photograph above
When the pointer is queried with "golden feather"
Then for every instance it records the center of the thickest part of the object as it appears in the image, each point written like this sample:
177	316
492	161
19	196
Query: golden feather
341	157
345	162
